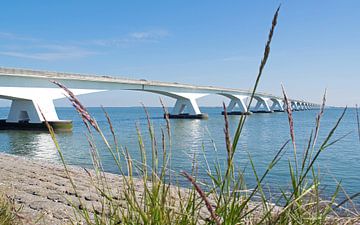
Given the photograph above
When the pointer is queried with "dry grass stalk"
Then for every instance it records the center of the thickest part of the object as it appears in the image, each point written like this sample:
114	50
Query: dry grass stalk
290	116
227	137
79	107
266	54
318	118
110	126
203	197
357	120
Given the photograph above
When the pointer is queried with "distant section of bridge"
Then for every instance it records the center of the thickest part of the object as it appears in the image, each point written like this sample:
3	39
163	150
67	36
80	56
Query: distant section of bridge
32	93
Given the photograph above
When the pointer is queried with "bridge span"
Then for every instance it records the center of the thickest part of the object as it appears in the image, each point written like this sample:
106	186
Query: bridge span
30	90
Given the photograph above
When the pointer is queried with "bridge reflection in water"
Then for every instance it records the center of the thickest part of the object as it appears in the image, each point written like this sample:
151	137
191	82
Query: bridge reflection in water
36	144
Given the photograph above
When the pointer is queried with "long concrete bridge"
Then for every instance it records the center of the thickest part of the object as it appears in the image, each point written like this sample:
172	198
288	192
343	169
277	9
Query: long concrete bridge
30	90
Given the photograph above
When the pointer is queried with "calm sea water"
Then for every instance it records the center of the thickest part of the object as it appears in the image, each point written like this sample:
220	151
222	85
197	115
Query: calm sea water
263	136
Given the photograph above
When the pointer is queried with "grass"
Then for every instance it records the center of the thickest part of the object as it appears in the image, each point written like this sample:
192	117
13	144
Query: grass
160	200
8	212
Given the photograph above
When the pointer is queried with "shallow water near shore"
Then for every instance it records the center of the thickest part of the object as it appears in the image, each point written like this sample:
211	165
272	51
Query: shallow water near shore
263	136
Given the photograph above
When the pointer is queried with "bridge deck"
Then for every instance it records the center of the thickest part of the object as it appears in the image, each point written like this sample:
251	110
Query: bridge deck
120	80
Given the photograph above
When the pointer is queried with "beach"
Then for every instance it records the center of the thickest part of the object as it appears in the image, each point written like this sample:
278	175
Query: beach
44	192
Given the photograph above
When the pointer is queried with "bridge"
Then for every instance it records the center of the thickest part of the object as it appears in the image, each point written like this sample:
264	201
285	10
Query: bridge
32	93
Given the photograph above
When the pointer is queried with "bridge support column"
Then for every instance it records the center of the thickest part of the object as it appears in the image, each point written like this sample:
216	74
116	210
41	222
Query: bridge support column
262	105
30	105
237	105
27	114
277	105
23	110
305	106
294	106
186	106
301	106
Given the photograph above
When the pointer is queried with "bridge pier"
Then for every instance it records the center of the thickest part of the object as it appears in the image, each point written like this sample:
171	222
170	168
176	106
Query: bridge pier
277	105
303	106
237	105
186	106
298	106
31	106
294	106
26	114
23	110
262	105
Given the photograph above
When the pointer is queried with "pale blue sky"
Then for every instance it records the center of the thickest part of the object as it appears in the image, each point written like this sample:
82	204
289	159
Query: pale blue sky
220	43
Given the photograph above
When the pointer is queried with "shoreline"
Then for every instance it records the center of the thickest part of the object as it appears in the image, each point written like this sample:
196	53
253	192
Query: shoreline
45	195
43	190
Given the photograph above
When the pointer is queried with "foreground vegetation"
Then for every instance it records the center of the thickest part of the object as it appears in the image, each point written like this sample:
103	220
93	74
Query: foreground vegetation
8	211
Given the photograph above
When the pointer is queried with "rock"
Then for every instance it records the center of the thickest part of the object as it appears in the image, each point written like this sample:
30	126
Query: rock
38	205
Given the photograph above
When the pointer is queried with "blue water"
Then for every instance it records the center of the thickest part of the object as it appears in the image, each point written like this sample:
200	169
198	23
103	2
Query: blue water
262	137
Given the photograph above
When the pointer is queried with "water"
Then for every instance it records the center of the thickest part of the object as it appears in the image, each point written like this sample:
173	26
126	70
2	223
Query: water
263	136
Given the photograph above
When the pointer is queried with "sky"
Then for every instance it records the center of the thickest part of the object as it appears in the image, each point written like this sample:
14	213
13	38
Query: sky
220	43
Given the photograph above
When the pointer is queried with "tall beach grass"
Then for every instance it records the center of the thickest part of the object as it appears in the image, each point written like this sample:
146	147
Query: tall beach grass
8	211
